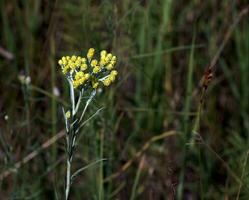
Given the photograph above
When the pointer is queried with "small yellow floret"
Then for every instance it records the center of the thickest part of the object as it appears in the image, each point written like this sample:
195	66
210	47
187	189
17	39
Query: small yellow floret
107	60
96	69
114	72
111	77
79	75
90	53
65	69
64	62
73	58
102	62
75	83
87	76
81	80
73	66
109	55
94	63
107	82
68	114
78	63
60	62
83	67
95	85
109	67
103	53
113	62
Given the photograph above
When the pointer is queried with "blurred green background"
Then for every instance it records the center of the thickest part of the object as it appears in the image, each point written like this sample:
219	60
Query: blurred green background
163	48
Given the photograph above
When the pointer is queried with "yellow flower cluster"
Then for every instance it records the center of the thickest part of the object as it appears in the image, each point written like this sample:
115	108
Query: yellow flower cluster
89	71
70	64
80	78
107	60
110	78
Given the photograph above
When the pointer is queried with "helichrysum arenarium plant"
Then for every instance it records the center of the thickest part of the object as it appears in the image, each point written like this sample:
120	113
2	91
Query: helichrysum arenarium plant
84	75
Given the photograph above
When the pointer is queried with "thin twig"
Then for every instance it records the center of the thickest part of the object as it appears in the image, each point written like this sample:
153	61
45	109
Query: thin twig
87	166
32	155
50	95
87	104
139	153
233	174
6	54
242	175
211	67
93	115
228	35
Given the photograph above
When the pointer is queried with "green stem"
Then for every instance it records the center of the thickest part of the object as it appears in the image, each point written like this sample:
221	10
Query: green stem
134	188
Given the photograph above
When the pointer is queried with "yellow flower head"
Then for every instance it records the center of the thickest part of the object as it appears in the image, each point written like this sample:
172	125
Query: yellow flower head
94	63
109	66
79	75
96	69
91	72
114	72
73	58
83	67
87	76
90	53
103	53
68	114
95	85
60	62
112	77
83	60
75	83
107	82
77	63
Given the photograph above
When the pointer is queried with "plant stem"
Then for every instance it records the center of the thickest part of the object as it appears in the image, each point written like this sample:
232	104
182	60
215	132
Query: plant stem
71	133
68	174
68	178
72	97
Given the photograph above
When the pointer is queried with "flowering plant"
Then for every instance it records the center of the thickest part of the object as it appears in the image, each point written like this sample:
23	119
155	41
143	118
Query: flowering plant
84	75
